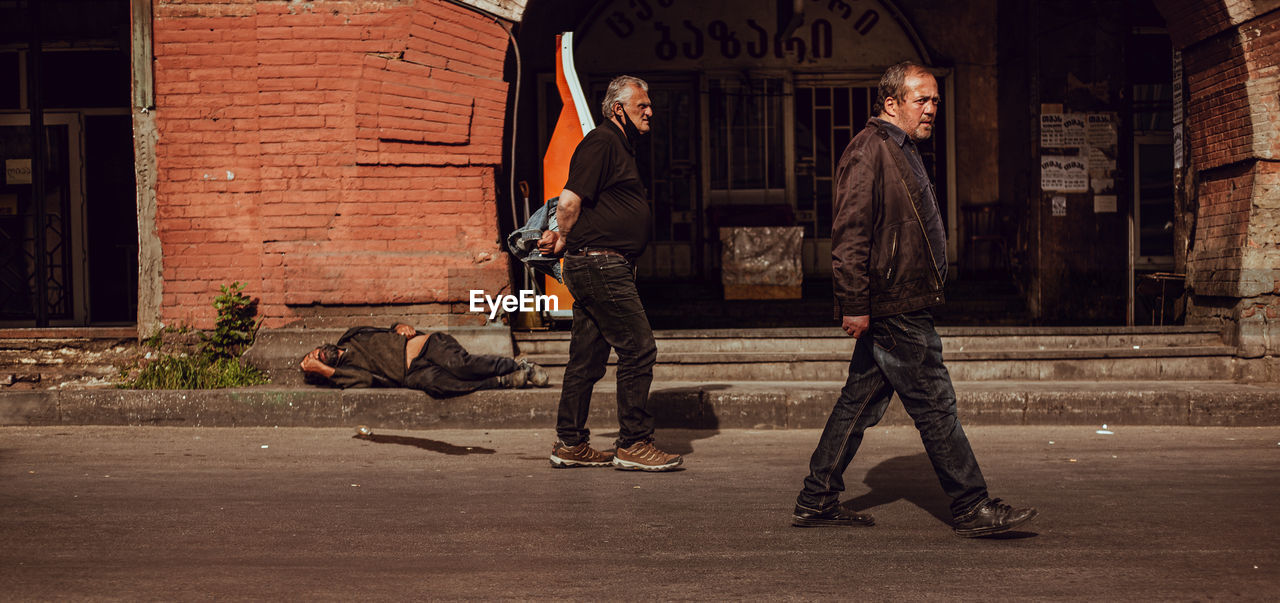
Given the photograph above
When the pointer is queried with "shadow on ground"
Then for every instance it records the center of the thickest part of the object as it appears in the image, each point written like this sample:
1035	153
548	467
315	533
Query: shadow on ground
425	444
680	416
909	478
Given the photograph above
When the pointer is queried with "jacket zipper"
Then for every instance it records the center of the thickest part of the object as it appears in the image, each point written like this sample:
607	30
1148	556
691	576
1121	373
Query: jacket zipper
934	261
893	257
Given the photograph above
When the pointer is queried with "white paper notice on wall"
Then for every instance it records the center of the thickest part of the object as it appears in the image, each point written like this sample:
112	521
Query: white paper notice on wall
1051	130
1100	130
1075	175
17	171
1059	206
1052	177
1073	130
1104	204
1177	146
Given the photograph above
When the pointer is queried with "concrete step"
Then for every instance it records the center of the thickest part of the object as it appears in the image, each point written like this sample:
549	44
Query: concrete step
703	405
954	339
972	354
55	356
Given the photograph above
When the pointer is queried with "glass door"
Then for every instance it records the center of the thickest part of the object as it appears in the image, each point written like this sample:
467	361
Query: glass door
37	265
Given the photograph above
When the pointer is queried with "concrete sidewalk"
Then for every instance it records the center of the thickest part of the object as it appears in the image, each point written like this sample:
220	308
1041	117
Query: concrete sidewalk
730	405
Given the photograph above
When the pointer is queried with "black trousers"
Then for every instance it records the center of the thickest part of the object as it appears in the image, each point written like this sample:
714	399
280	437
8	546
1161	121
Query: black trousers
607	314
902	354
444	368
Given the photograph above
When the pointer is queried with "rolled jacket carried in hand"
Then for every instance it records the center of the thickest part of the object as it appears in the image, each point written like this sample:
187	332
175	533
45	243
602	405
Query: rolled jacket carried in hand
523	242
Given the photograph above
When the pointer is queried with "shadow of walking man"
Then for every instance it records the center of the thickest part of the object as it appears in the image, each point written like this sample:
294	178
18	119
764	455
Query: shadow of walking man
909	478
425	444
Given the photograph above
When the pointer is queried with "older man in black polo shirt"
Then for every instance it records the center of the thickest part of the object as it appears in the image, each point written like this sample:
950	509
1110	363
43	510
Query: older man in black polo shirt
604	225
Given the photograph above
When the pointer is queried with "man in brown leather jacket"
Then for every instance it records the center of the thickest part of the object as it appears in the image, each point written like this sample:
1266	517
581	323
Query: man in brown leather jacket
888	258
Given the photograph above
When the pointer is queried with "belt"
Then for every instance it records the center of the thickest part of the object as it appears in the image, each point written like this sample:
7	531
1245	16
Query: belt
600	251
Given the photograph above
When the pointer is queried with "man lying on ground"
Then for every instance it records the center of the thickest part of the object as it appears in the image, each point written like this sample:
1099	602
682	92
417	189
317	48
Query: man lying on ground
402	357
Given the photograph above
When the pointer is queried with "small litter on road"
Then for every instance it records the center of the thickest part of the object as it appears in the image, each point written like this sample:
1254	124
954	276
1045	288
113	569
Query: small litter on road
264	445
1050	442
1104	430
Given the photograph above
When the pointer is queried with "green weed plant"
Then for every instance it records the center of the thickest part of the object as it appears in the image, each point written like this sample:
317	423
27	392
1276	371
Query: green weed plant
189	359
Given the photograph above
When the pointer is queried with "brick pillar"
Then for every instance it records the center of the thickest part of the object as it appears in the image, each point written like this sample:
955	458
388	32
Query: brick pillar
1231	58
339	157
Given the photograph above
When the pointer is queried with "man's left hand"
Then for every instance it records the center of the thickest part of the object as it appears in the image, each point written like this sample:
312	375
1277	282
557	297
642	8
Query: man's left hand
407	331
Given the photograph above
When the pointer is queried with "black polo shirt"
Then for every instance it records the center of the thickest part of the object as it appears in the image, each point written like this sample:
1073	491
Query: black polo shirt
615	209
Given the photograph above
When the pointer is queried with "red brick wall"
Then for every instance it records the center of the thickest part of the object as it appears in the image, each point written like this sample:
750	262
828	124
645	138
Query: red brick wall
328	153
1191	21
1231	52
1222	228
1232	88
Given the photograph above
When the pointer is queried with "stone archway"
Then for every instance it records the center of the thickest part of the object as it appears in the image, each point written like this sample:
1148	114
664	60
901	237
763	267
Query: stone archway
1232	176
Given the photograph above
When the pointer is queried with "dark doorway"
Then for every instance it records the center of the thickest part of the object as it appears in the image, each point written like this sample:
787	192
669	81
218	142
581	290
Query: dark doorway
68	222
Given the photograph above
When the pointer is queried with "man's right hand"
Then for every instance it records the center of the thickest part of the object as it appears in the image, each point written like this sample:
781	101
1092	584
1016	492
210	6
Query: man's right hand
311	364
855	325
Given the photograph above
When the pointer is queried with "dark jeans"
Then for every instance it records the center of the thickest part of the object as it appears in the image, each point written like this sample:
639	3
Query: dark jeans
444	368
901	353
606	314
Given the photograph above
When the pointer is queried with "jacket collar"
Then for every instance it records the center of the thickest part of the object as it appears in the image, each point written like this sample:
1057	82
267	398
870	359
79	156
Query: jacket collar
897	134
886	131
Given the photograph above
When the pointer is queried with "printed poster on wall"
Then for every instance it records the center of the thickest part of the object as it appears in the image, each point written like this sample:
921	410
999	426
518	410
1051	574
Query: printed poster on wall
1177	146
1051	130
1102	141
17	171
1052	175
1073	130
1075	175
1104	204
1177	87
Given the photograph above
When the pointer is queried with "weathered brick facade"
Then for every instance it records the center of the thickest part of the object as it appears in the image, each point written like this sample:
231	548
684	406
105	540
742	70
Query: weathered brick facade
1231	56
338	156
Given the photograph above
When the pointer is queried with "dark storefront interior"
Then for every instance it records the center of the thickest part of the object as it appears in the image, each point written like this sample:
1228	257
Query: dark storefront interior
771	136
68	223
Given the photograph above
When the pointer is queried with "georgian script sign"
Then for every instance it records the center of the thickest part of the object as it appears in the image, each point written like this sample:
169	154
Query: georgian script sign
678	35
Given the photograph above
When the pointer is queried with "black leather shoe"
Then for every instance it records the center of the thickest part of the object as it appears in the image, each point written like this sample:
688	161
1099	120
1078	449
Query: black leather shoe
833	517
992	517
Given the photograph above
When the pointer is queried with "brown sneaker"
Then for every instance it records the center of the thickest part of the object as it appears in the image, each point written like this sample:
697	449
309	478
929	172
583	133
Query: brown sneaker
582	455
644	456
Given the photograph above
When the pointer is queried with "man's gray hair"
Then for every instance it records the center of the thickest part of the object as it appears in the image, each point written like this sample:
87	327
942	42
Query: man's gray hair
619	91
893	83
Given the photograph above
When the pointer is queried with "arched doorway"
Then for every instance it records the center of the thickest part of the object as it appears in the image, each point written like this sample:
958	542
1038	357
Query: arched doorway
751	115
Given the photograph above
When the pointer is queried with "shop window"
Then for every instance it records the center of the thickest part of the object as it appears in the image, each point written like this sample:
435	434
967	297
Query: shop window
10	85
746	141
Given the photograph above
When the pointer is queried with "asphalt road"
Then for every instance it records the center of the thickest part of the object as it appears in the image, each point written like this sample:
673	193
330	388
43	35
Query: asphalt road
151	513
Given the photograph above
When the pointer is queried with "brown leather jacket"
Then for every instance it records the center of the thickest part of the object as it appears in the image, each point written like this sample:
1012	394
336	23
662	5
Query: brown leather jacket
880	257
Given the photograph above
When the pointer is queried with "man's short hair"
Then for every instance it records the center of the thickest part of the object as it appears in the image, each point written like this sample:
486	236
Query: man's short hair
619	91
329	354
893	83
